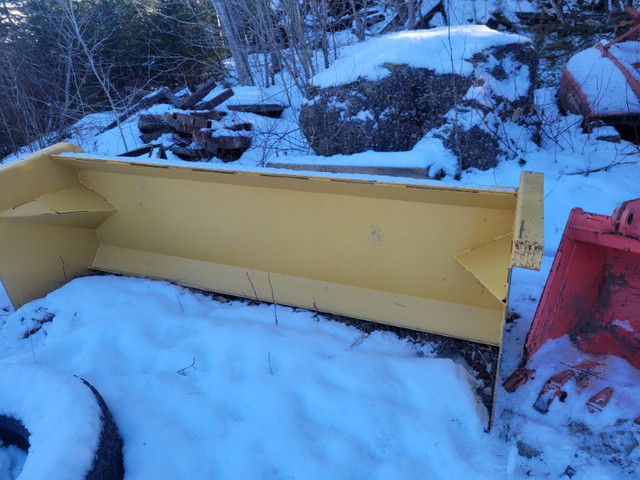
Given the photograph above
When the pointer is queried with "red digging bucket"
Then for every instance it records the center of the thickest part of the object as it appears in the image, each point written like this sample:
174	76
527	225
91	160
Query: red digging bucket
593	291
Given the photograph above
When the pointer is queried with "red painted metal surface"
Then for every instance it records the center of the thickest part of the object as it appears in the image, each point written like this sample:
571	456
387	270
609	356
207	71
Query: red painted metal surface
593	290
600	400
586	372
632	34
518	378
573	98
582	374
571	95
552	389
631	80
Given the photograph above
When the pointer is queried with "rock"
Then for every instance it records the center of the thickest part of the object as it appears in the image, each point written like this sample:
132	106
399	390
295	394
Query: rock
390	114
619	446
526	450
473	147
614	444
468	113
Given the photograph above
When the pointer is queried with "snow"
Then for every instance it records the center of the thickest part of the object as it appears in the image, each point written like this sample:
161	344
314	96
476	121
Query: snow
596	436
423	155
624	324
201	387
511	88
12	460
443	50
198	387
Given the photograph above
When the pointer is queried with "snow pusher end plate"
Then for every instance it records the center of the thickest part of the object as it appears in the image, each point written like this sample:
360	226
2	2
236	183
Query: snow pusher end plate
426	257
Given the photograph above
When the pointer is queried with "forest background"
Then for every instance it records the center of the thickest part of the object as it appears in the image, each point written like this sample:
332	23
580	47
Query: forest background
61	60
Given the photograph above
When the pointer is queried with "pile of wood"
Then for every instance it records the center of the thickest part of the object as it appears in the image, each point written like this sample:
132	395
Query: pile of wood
199	131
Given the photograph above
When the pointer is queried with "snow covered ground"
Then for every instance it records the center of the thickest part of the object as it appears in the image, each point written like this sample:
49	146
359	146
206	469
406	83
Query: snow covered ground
203	388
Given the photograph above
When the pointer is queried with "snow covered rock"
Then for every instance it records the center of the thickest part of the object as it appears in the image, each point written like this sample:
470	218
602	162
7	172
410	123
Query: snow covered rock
460	85
389	114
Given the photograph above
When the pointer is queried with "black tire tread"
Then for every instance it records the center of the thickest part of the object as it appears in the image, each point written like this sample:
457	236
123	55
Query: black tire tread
13	432
108	463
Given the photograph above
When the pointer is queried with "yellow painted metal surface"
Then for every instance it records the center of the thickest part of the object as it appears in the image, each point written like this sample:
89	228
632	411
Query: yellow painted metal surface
432	258
75	205
36	257
529	225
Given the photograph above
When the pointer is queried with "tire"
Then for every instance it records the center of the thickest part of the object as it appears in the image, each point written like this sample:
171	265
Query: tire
12	432
106	463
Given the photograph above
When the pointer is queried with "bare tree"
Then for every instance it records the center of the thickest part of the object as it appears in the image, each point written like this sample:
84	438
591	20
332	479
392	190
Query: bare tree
100	73
232	16
283	38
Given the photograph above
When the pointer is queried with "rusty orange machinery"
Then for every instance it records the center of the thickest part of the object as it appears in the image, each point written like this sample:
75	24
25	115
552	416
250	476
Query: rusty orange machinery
610	88
428	257
593	296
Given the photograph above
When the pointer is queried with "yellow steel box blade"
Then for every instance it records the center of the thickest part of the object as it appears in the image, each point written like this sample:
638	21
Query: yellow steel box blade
425	257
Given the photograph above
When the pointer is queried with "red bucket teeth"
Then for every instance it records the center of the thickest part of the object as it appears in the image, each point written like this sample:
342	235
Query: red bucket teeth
600	400
551	390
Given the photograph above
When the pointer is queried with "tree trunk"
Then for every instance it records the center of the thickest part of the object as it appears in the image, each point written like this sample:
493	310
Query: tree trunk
230	15
358	20
411	14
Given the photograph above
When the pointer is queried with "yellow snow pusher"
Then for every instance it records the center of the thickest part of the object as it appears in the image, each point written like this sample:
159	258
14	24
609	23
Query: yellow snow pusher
422	256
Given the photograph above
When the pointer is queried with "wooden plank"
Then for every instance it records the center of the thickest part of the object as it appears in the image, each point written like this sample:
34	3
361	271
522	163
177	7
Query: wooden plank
215	101
216	145
151	99
174	100
162	154
272	110
187	153
138	152
148	123
186	123
202	92
208	114
240	127
360	170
